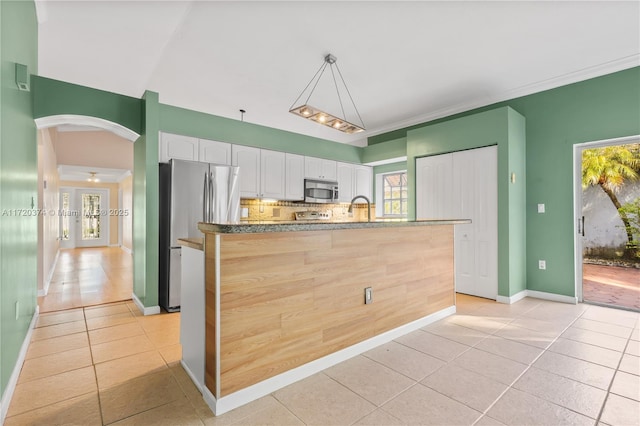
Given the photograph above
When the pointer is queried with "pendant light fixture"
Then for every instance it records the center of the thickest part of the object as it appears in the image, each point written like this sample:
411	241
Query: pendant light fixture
335	121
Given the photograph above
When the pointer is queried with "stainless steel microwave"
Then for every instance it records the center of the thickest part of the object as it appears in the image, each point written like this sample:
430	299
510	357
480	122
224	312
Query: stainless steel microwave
320	191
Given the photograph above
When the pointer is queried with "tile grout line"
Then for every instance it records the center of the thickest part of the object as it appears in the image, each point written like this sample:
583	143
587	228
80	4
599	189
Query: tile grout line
93	365
484	413
615	373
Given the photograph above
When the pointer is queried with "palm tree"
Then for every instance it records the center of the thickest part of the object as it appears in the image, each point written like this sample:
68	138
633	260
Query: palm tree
610	167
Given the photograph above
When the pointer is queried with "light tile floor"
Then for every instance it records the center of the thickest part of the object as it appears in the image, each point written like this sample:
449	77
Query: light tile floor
531	363
89	276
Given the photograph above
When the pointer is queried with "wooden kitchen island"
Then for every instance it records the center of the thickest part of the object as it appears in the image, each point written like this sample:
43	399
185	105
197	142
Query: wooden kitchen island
286	300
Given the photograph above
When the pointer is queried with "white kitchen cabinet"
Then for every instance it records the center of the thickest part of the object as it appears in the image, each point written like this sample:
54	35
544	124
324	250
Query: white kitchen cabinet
354	179
272	174
214	152
345	174
464	185
363	182
248	159
193	149
262	172
294	177
319	168
178	147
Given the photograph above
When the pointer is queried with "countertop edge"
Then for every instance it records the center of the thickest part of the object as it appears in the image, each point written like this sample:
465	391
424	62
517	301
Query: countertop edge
194	243
254	228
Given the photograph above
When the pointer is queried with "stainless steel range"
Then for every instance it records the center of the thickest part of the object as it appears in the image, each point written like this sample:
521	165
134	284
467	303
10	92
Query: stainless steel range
313	215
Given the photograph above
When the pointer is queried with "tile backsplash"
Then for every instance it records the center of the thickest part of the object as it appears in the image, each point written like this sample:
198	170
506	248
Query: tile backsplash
259	210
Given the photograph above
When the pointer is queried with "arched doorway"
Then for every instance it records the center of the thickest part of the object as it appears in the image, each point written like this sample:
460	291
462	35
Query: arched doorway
70	148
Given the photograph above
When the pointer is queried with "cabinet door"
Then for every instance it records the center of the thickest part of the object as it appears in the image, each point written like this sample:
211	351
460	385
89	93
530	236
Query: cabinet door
312	168
318	168
329	170
272	174
345	182
363	182
294	177
248	159
214	152
178	147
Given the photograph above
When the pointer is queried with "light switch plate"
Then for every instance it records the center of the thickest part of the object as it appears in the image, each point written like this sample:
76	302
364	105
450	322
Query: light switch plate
542	264
540	208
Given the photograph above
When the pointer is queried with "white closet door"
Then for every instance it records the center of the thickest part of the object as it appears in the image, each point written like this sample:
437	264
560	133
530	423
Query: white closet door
464	185
434	188
464	198
486	222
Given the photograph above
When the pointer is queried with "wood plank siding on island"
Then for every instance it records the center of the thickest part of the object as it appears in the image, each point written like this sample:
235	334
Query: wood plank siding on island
277	300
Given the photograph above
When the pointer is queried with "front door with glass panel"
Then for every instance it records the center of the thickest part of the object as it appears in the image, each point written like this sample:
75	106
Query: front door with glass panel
84	219
92	228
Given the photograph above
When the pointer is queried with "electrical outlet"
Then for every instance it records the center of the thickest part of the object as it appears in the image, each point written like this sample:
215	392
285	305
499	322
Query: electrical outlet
542	264
368	295
540	208
17	310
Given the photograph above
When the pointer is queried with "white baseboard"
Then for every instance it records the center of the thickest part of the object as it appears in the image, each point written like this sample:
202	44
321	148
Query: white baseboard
192	377
13	380
126	249
222	405
44	291
146	310
537	295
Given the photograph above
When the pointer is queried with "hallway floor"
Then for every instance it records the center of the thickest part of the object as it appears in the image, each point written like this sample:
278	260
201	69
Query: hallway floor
89	276
611	285
530	363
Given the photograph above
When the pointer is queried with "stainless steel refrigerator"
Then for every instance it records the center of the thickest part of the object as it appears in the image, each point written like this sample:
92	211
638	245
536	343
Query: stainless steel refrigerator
190	192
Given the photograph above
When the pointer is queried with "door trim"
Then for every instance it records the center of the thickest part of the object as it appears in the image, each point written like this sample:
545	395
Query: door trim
577	200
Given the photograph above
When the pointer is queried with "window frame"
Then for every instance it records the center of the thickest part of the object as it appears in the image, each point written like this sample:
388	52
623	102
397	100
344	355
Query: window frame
380	198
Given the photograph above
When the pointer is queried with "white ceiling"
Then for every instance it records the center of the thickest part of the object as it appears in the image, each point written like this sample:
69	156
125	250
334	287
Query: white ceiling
403	62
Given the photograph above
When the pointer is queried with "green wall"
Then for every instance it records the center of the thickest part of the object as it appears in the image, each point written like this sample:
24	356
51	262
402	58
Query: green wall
55	97
145	204
503	127
18	183
206	126
596	109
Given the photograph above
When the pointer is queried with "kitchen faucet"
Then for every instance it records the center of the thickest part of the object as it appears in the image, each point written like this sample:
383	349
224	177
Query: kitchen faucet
350	211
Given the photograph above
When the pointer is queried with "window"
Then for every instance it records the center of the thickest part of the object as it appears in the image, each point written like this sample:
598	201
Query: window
394	194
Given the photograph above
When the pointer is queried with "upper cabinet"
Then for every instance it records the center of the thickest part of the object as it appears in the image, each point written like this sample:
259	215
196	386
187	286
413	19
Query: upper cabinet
193	149
294	177
345	182
248	159
354	179
262	172
319	168
214	152
178	147
363	182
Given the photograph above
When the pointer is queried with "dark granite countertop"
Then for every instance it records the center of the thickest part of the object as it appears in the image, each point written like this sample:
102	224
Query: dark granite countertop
291	226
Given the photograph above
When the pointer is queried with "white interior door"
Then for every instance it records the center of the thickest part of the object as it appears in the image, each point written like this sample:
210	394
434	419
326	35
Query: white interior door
92	224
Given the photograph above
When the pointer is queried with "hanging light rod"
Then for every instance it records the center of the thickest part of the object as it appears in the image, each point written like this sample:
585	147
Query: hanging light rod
334	121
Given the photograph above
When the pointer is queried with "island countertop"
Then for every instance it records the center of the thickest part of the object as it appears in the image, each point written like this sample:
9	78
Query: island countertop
292	226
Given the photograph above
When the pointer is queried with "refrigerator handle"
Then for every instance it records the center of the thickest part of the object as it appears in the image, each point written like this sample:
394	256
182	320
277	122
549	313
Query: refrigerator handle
212	203
205	198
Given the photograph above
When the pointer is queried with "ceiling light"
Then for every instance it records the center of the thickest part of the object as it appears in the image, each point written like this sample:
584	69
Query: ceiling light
93	177
332	120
